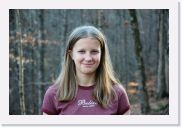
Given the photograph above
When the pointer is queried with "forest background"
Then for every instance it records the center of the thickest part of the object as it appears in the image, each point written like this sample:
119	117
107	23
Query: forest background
138	44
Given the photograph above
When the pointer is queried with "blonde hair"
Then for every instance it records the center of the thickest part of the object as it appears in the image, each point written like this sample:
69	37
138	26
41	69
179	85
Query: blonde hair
105	78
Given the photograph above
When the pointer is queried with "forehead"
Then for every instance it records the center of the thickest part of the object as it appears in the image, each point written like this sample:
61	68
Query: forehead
86	43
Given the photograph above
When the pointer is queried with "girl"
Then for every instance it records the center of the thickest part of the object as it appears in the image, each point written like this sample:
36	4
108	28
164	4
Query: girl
86	85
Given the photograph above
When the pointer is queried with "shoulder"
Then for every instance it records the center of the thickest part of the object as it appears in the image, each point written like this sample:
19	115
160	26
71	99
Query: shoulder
49	105
119	89
51	90
123	101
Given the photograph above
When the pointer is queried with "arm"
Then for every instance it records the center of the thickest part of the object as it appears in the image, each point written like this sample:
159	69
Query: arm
123	102
127	112
49	102
45	113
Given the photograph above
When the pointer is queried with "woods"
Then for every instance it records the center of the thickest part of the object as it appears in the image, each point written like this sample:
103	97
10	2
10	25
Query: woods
141	68
138	44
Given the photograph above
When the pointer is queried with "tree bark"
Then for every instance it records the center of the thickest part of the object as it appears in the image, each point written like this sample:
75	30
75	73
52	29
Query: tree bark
144	100
125	59
41	60
21	66
161	82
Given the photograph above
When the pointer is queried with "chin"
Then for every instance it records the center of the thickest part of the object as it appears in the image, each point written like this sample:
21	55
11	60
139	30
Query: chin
88	72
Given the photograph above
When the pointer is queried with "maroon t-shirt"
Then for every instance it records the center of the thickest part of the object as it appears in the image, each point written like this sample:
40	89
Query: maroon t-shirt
84	103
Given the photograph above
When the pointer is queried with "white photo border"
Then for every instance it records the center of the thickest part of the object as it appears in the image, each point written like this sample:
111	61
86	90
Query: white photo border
174	92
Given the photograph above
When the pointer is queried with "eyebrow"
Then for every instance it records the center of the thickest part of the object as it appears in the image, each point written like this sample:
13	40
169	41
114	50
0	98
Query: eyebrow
90	50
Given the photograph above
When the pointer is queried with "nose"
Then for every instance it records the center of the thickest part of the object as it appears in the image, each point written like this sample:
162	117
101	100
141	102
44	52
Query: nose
88	57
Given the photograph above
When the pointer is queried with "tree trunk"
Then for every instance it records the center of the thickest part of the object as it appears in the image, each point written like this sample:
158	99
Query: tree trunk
125	58
21	67
64	36
41	41
144	100
42	51
166	52
161	82
100	18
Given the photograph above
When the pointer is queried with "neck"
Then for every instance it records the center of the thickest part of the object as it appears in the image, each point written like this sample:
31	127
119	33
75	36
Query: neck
86	80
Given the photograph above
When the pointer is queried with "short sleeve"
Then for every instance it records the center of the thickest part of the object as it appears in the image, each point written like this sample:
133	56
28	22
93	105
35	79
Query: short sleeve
123	101
49	102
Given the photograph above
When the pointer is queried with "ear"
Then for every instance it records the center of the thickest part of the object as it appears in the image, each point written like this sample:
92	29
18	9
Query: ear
70	53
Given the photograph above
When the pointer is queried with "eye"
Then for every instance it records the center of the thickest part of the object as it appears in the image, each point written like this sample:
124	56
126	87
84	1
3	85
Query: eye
94	52
81	51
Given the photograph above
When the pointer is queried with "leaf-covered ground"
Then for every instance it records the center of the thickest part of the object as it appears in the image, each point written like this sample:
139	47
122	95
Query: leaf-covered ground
159	107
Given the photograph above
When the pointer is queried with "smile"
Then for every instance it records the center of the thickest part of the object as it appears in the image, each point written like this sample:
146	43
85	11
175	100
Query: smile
88	64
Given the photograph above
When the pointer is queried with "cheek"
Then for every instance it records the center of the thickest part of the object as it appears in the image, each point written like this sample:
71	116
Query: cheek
77	58
97	58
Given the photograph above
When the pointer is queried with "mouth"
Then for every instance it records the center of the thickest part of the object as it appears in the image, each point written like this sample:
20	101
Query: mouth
88	65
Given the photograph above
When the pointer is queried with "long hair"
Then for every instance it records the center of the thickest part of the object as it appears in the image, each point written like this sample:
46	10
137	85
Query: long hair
105	78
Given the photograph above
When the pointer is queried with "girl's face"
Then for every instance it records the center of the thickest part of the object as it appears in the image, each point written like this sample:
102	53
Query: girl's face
86	54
